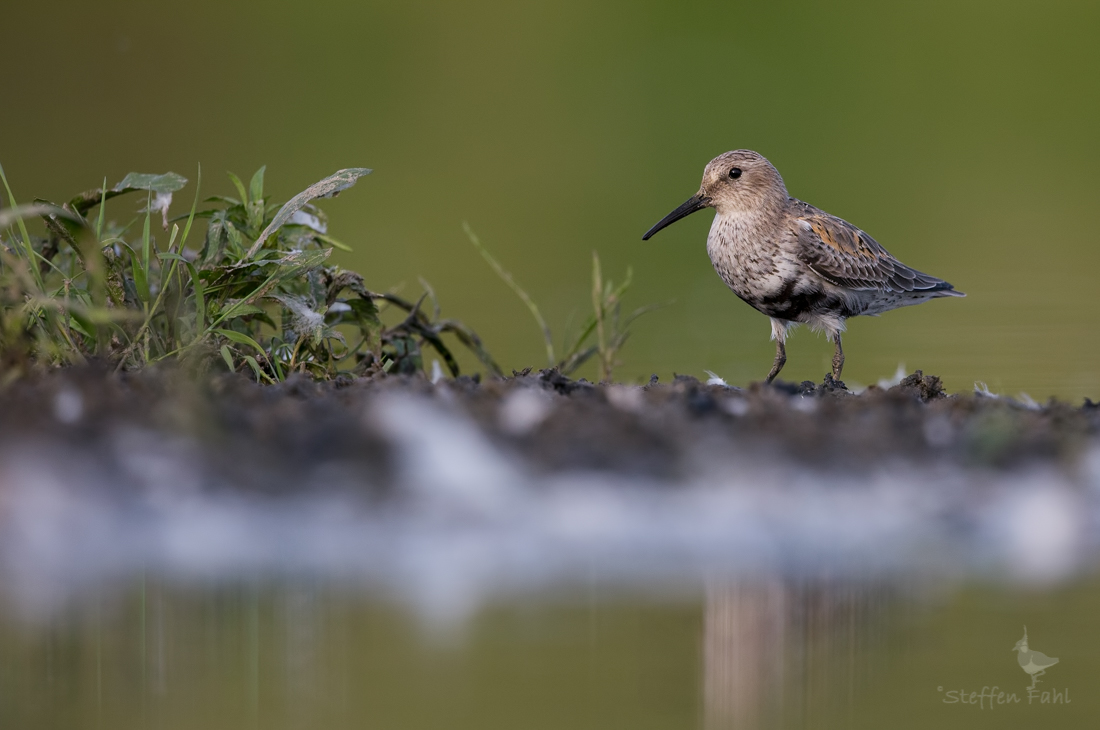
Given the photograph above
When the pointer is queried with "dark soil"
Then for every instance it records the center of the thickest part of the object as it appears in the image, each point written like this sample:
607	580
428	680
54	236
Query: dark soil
270	438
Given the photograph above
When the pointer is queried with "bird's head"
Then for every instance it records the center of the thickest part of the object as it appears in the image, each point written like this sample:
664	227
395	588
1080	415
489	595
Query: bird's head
735	182
1021	645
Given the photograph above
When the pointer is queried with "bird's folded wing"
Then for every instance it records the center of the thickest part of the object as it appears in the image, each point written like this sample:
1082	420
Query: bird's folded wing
845	256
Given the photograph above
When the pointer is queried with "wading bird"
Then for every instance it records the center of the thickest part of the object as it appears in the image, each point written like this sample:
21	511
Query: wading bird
793	262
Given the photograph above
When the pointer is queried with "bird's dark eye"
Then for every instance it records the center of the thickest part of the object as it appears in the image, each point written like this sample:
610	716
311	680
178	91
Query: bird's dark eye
735	172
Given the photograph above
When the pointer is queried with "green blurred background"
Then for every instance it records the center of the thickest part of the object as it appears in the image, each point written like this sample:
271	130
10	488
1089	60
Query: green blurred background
961	135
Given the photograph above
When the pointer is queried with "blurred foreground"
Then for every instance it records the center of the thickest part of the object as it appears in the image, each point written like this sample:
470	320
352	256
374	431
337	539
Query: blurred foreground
535	551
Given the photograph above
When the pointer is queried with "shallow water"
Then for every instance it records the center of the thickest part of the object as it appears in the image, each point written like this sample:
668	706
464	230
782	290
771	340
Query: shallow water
760	653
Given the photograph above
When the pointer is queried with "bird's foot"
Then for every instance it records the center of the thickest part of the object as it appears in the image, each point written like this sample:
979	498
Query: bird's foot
832	382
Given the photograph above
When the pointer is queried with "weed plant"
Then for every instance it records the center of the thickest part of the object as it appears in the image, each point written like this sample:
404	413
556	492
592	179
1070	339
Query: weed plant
601	336
257	295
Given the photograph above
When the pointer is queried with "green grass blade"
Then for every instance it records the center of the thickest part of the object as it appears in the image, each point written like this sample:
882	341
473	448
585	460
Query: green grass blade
32	256
102	208
141	283
141	268
599	304
333	242
515	287
582	337
194	206
200	300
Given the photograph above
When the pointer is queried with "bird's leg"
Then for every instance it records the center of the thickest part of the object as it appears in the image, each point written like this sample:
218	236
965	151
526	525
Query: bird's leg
780	361
779	334
838	357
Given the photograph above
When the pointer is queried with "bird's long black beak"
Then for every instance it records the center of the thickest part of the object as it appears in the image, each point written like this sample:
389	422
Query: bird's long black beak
692	204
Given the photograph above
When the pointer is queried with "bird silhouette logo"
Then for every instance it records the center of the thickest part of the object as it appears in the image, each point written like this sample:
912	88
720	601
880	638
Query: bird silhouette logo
1034	663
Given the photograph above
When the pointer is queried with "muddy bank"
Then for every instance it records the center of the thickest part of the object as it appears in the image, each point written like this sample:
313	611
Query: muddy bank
450	493
270	437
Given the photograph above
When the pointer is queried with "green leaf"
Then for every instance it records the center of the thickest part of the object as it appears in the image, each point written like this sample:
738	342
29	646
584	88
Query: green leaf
214	245
289	266
364	308
254	215
228	357
241	339
222	199
332	242
260	374
165	184
240	309
236	241
331	185
365	312
240	187
169	182
256	186
81	324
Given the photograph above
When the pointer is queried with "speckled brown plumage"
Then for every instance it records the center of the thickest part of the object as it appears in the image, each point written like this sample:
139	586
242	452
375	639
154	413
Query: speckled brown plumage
793	262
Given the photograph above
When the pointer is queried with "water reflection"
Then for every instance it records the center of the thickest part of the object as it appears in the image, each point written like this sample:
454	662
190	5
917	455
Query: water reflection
766	652
306	656
779	653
